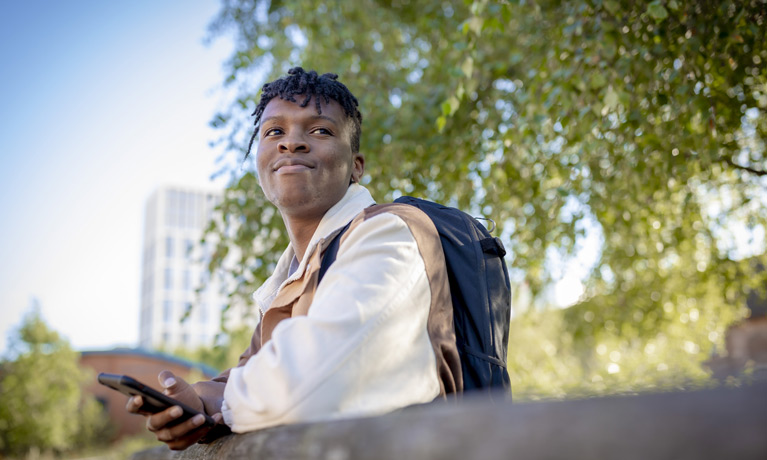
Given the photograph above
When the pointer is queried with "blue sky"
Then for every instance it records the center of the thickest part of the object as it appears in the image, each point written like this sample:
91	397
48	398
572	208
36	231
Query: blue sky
100	103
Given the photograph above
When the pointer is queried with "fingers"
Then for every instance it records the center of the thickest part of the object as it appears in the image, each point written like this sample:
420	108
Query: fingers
170	382
183	434
178	436
178	388
192	437
173	385
180	430
134	404
159	420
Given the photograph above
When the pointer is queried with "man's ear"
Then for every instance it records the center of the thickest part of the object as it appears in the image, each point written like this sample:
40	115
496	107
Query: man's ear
358	166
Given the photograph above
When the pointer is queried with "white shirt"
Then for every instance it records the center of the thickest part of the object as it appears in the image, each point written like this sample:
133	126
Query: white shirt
363	347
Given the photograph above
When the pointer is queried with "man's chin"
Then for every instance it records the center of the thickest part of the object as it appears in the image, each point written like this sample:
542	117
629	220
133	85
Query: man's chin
301	205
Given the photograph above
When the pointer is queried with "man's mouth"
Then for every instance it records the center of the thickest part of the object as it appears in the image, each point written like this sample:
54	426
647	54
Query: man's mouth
291	166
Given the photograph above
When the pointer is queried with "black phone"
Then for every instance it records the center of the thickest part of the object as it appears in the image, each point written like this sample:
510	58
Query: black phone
153	400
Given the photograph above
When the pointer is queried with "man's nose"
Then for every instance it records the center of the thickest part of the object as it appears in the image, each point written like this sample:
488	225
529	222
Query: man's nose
293	144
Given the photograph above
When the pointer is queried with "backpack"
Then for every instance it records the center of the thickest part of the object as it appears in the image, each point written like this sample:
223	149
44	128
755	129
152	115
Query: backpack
479	288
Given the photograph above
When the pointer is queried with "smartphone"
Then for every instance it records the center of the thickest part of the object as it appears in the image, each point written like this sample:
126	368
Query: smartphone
153	400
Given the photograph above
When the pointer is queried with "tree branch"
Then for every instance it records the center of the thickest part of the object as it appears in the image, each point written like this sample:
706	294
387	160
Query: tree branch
757	172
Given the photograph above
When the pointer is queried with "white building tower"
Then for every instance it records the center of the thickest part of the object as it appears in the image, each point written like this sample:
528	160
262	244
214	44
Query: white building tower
172	270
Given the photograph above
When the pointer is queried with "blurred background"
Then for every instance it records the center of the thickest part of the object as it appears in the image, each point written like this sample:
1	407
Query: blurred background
619	146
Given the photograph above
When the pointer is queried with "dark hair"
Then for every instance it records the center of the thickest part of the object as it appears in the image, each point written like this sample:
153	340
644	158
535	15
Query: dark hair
308	84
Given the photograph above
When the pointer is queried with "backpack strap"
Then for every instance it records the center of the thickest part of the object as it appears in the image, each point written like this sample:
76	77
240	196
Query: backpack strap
332	251
440	322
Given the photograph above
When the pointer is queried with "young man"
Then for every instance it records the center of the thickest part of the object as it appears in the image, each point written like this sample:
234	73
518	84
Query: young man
376	334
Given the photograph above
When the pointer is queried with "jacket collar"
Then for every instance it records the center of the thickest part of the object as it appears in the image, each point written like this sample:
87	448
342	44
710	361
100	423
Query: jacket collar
354	201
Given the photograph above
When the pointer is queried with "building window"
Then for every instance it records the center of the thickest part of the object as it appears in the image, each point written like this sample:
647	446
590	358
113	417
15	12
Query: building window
168	278
167	310
187	280
168	247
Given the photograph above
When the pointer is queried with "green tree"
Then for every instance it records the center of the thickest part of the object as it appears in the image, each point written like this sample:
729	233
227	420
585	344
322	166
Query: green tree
43	406
641	124
221	355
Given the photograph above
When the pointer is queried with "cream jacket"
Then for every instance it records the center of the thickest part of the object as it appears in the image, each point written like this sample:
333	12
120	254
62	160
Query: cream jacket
359	346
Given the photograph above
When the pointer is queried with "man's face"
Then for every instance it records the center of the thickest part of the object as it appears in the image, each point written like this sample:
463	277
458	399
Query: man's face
304	159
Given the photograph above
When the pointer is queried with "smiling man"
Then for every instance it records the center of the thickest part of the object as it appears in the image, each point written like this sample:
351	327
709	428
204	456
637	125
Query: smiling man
376	334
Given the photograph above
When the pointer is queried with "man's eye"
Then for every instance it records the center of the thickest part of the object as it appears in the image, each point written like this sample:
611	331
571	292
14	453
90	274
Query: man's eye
273	132
321	131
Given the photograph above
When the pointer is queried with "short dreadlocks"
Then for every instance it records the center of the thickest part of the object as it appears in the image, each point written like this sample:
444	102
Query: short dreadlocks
308	84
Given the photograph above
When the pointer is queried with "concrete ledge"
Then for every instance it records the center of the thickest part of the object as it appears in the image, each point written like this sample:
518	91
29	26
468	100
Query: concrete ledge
711	424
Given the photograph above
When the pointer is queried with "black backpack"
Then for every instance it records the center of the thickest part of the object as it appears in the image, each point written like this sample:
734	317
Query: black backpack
479	287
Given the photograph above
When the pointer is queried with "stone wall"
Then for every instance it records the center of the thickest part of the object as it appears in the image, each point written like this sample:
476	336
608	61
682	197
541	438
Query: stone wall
711	424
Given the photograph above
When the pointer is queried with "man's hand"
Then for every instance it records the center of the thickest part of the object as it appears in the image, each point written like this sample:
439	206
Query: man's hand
184	434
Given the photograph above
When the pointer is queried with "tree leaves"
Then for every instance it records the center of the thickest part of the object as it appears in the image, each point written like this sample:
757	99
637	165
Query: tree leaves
641	122
43	405
656	10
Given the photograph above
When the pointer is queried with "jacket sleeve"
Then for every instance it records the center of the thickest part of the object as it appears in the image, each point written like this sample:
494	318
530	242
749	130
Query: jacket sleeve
362	349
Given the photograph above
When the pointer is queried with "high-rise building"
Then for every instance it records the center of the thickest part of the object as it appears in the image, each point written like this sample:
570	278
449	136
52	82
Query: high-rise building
173	270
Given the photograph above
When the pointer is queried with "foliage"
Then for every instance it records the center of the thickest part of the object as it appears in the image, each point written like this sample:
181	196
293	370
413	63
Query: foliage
639	124
221	355
43	407
549	362
124	449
